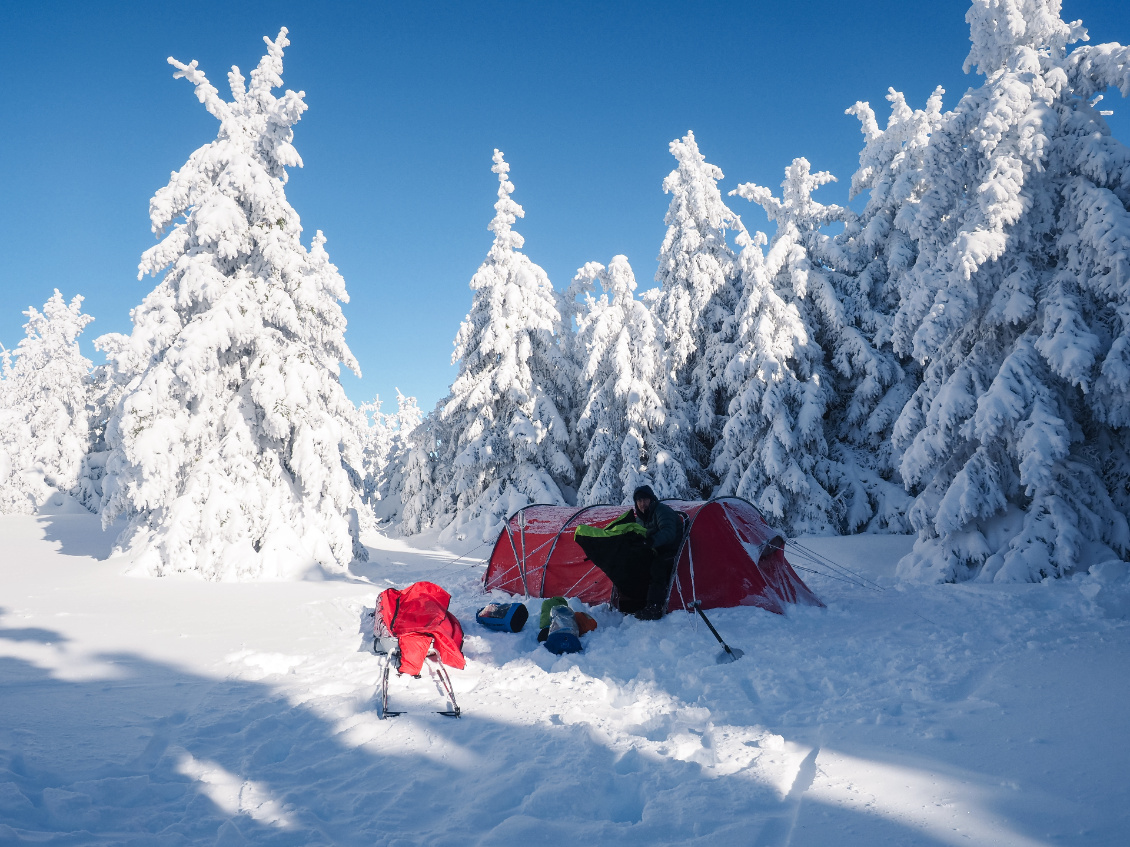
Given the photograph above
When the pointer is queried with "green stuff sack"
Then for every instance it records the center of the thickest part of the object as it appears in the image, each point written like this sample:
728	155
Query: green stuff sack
547	607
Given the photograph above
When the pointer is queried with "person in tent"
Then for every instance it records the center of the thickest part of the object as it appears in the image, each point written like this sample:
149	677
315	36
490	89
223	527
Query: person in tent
664	531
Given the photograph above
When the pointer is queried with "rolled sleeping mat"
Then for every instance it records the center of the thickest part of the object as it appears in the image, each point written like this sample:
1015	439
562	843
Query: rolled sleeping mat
503	617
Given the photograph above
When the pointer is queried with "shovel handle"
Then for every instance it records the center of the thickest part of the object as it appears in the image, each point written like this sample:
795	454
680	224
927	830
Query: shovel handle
697	606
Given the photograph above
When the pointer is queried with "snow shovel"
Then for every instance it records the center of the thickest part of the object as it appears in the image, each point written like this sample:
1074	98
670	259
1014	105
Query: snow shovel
728	654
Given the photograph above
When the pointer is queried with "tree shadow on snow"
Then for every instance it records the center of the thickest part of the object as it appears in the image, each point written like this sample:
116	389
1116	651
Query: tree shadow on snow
79	533
149	754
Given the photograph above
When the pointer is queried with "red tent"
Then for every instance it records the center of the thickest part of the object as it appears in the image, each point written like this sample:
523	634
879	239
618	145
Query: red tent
729	557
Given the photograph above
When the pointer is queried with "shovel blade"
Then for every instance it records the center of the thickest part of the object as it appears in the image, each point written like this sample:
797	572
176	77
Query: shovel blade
727	656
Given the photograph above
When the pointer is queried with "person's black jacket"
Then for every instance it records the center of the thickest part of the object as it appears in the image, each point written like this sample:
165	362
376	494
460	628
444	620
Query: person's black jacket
664	529
664	533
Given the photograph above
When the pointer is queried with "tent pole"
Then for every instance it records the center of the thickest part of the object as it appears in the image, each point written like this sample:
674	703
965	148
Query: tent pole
522	537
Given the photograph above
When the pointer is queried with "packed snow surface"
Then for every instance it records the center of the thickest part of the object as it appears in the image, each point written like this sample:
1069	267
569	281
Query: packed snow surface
175	711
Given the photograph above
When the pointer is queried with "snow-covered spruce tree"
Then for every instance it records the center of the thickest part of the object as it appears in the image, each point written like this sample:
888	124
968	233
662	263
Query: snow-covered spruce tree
619	349
44	414
228	447
773	440
820	465
507	412
408	417
106	385
415	501
1018	309
1092	70
878	253
375	433
698	274
891	171
11	497
389	440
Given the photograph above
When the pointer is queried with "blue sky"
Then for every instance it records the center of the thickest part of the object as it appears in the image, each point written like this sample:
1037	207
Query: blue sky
407	103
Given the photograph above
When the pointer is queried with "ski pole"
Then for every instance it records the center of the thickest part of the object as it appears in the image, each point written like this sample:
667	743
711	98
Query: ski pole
731	655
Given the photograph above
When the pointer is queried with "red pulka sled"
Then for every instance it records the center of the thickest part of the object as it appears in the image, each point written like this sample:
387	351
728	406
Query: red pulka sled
413	626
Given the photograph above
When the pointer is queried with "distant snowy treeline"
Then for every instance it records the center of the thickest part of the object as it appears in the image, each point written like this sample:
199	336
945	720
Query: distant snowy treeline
953	360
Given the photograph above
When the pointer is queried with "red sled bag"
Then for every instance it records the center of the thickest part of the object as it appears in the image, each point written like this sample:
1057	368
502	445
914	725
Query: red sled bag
417	617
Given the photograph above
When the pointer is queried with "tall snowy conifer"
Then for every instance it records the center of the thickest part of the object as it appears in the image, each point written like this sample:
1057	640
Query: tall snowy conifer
415	499
858	386
44	415
891	171
880	253
506	415
12	496
387	441
698	274
624	415
227	448
1018	309
772	443
106	386
375	434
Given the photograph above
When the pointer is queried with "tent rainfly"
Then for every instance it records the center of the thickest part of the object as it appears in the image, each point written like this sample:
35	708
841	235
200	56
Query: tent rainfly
729	557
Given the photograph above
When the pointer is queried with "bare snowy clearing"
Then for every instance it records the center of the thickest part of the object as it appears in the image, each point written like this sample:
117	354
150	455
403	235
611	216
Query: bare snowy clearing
177	711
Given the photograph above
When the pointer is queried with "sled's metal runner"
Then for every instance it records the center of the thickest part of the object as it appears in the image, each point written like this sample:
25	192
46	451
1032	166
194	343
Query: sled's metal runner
393	655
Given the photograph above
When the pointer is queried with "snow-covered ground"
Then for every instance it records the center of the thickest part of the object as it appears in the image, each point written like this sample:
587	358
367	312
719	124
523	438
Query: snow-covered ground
175	711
